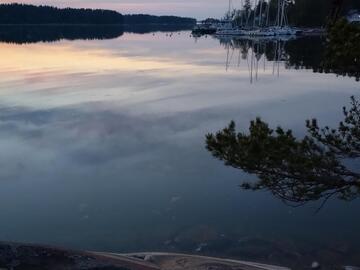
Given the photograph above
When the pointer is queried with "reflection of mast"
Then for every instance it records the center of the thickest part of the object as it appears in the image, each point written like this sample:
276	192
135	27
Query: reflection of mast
255	14
277	59
247	60
253	50
257	54
275	53
264	56
227	57
252	62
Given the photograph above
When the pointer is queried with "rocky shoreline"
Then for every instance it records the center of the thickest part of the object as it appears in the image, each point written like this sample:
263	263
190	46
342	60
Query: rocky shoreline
15	256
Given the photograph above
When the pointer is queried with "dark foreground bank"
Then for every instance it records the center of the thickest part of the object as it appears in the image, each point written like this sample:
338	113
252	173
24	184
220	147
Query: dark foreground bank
28	257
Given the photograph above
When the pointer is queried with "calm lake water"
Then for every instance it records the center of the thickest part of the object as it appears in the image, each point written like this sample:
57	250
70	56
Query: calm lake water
102	147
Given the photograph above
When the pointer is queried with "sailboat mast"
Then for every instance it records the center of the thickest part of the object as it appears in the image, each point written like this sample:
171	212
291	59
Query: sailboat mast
286	18
248	15
256	3
267	13
260	16
278	13
229	12
282	14
241	13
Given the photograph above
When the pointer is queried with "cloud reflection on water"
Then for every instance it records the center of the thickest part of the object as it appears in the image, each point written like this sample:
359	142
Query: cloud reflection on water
118	126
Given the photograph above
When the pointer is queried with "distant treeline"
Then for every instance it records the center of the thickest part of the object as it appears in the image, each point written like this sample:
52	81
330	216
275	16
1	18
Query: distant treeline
30	14
150	19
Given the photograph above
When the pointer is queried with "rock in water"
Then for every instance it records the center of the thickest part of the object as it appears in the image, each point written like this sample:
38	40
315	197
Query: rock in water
315	265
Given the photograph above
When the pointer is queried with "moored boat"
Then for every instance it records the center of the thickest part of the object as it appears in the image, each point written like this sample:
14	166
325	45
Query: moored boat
260	25
204	29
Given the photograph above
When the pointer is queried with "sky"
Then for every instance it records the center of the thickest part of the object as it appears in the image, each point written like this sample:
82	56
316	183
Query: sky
199	9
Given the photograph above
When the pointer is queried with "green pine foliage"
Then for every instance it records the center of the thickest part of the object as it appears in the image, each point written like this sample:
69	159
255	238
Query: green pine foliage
295	170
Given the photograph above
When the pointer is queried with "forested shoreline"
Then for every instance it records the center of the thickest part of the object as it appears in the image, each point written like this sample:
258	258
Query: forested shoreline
300	13
310	13
30	14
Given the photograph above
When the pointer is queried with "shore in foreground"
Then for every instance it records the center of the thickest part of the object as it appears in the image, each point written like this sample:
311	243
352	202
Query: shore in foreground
27	256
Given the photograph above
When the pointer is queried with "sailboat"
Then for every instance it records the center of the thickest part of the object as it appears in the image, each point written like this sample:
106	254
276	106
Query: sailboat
282	28
260	26
226	28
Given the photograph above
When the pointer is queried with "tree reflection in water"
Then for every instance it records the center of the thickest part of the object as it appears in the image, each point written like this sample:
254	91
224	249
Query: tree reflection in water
315	167
24	34
295	170
342	54
256	52
338	52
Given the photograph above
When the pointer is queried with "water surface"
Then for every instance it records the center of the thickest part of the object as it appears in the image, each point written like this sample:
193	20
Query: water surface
102	147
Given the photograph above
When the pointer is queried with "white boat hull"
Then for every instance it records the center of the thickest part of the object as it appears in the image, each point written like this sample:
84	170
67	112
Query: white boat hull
271	32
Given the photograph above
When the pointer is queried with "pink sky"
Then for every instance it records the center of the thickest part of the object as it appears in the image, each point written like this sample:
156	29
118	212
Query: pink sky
194	8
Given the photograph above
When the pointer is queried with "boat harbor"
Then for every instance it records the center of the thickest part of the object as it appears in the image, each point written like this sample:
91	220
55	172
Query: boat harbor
260	20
